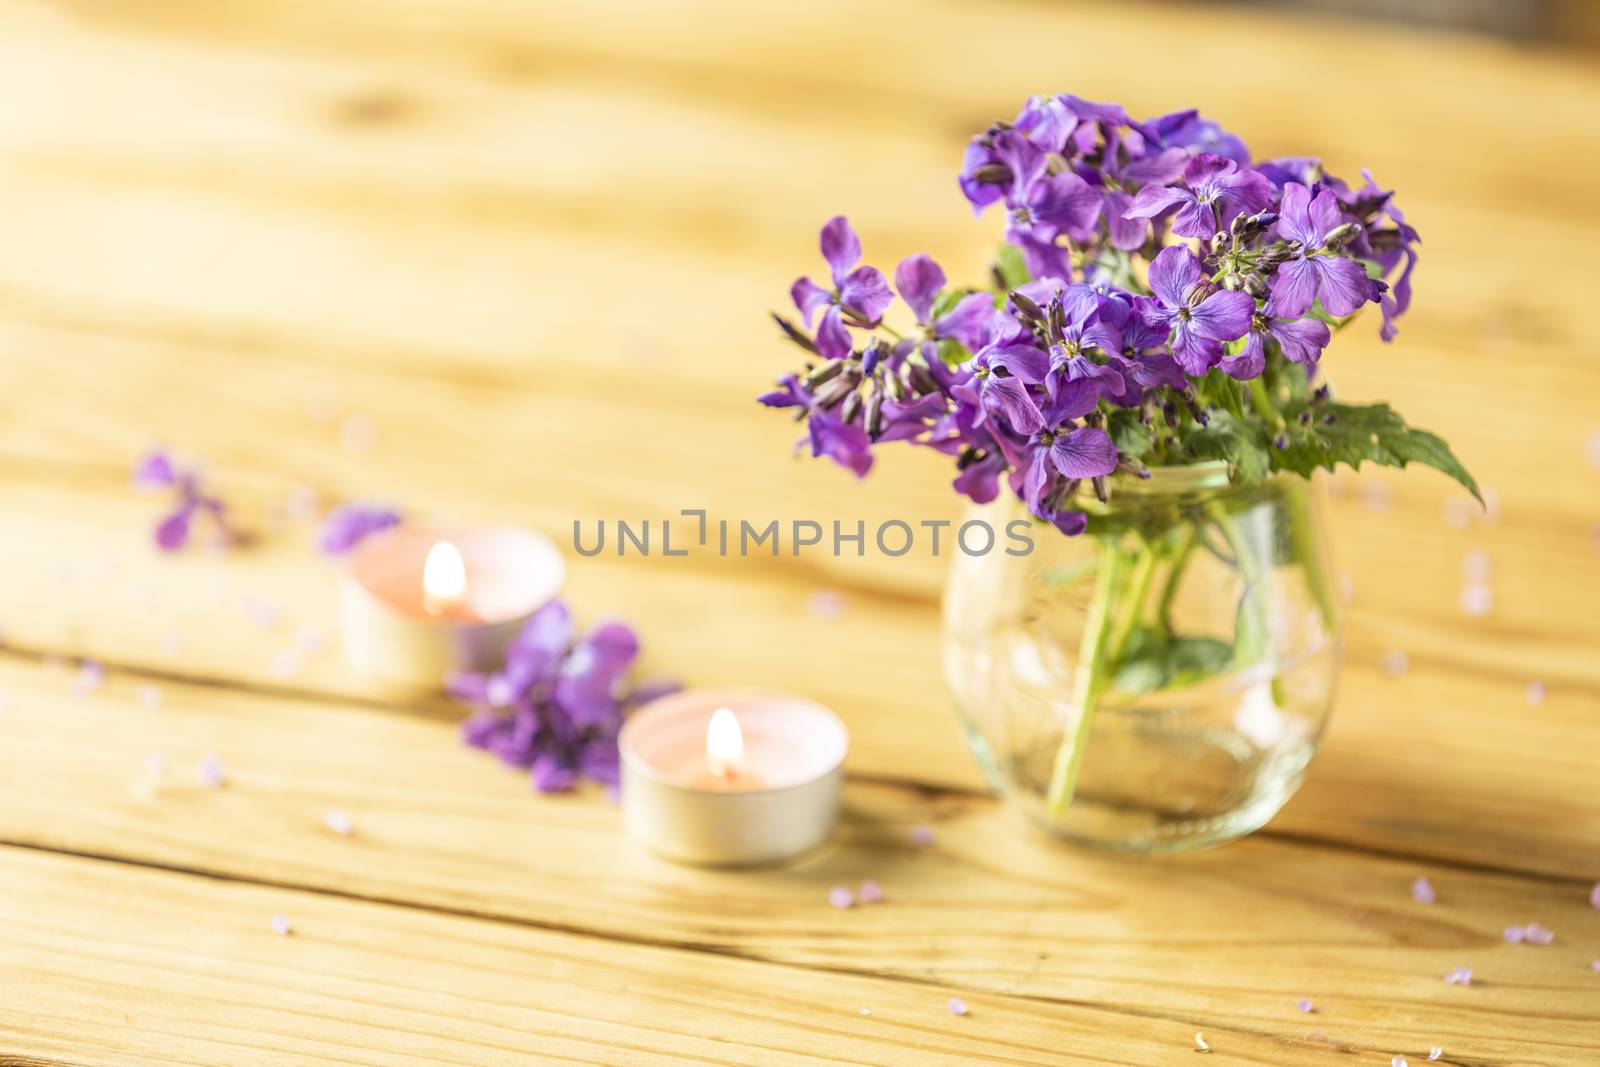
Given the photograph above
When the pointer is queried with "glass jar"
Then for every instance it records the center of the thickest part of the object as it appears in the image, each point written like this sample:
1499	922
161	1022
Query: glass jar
1160	681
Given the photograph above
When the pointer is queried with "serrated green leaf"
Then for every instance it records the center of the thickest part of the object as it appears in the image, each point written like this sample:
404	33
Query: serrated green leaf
1236	442
1371	433
1154	661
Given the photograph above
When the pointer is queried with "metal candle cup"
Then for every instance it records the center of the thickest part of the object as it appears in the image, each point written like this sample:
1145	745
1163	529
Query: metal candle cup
482	583
692	793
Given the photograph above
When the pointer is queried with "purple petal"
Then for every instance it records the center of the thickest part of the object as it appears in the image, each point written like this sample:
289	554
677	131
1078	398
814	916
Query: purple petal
1323	215
809	297
1302	340
1194	353
1173	273
969	321
980	482
1344	285
1294	215
841	897
1011	397
1084	453
845	443
351	524
1152	200
956	1006
1023	361
1294	287
919	280
155	471
840	247
1126	233
1066	202
172	532
552	775
866	291
1195	219
833	340
1223	316
1422	891
1250	362
871	892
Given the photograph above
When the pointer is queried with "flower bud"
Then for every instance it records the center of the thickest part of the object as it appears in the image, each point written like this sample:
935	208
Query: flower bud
874	415
793	333
992	174
850	408
823	373
1341	235
1027	308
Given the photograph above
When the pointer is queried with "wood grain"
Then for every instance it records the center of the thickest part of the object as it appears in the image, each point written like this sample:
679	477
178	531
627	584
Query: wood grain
528	248
114	965
989	907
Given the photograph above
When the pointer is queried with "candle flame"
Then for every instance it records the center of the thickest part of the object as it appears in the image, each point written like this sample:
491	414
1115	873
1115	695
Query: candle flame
724	744
444	578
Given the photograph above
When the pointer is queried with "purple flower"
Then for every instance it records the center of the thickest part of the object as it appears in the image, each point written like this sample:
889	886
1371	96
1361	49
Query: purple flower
158	470
844	442
557	703
1315	271
1215	191
1042	205
1186	129
1001	375
1075	329
861	292
1120	177
1200	319
349	525
920	281
1302	341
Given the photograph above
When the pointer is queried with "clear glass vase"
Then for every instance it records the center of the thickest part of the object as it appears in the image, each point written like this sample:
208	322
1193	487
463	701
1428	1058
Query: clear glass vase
1160	681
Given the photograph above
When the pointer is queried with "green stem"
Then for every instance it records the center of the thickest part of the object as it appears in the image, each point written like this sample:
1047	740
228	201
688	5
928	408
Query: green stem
1144	570
1169	591
1262	402
1088	677
1304	548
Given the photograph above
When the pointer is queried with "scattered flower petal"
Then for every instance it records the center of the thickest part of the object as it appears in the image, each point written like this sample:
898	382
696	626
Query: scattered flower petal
338	821
149	697
866	1011
826	604
1459	976
841	897
1534	934
1514	935
1594	896
957	1006
870	893
1477	600
212	775
1434	1053
1200	1043
1396	663
90	675
923	835
1535	693
280	925
1398	1061
357	434
1306	1006
1422	891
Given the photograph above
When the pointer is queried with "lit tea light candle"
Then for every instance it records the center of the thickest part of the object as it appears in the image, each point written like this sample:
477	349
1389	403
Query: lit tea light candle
731	778
418	602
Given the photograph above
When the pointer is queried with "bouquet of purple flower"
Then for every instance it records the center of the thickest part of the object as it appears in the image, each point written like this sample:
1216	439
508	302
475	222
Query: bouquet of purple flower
1160	299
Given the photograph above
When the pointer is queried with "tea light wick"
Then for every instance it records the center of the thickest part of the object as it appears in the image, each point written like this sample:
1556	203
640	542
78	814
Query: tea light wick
444	578
724	745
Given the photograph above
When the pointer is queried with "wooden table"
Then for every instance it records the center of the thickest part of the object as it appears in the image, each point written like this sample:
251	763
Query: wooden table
512	261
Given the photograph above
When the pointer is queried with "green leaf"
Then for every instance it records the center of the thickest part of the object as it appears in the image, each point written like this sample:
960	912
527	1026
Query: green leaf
952	352
1237	442
1009	266
1154	661
1131	436
1372	433
1219	390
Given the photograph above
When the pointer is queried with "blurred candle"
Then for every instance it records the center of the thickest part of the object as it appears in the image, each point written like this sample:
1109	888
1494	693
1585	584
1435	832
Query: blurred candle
420	601
731	778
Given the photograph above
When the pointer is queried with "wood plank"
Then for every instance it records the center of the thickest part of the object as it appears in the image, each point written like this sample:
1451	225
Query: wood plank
1386	779
184	970
1216	939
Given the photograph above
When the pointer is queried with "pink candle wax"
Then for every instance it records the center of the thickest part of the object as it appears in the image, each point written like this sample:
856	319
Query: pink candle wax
758	785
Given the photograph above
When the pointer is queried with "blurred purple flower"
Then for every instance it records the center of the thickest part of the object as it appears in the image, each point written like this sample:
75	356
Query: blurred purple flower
861	292
158	470
556	704
347	526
